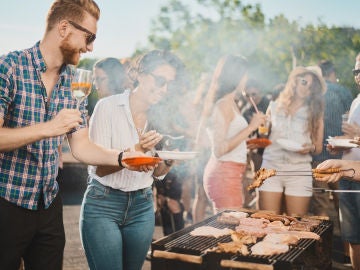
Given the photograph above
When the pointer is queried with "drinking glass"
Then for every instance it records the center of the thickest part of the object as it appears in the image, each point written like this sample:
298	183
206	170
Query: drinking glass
81	85
263	129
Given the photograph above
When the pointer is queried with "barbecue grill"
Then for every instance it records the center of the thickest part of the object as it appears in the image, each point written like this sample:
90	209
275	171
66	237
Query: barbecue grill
180	250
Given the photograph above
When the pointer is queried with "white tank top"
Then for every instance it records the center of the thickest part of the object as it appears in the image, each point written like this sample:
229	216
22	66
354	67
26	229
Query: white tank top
239	153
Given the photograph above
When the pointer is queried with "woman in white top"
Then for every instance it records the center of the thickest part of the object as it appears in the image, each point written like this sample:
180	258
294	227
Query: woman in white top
117	215
296	119
228	131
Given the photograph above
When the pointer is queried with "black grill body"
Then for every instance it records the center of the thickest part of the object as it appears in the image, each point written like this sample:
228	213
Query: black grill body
180	250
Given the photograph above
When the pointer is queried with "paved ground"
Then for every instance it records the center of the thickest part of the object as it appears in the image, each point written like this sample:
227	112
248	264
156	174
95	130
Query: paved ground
72	192
74	258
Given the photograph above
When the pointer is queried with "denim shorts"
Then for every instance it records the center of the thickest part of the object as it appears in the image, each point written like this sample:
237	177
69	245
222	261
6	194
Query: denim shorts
350	212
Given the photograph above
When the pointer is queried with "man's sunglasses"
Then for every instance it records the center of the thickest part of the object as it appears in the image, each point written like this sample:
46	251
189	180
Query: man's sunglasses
161	81
90	37
356	72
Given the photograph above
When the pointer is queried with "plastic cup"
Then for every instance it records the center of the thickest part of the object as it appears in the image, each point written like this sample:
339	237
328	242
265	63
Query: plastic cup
263	130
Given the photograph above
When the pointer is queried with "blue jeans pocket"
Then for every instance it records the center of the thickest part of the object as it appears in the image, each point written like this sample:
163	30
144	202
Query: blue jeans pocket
96	191
148	194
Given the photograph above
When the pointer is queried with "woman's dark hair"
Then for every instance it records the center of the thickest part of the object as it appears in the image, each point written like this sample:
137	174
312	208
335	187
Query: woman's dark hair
148	62
116	73
252	83
233	69
327	67
229	71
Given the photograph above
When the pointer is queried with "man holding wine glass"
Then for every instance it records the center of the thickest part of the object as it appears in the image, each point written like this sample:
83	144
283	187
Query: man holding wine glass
81	85
37	111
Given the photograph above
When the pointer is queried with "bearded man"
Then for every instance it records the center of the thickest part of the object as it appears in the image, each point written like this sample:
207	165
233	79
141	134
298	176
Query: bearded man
37	111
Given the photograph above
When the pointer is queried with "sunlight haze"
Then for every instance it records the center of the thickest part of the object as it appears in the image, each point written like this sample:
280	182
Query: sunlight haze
125	24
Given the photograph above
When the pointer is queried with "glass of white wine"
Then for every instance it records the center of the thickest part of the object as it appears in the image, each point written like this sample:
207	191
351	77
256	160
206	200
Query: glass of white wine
81	85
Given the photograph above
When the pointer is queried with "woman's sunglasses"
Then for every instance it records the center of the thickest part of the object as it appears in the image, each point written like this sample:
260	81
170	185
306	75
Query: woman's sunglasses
356	72
161	81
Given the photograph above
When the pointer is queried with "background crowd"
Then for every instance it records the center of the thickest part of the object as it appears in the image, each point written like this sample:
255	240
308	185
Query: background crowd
226	109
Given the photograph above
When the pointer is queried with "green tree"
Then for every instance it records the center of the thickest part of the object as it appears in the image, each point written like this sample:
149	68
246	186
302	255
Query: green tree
201	39
218	27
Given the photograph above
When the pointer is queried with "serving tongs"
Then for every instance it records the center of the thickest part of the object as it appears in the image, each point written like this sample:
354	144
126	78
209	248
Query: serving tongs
324	190
311	172
293	173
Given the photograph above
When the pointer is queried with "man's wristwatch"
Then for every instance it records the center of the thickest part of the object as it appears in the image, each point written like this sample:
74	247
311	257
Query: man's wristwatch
120	160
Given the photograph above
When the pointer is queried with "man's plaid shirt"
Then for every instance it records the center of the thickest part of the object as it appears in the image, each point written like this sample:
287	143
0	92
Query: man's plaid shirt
31	169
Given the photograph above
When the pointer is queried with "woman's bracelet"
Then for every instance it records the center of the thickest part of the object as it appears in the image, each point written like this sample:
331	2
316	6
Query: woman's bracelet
352	176
120	160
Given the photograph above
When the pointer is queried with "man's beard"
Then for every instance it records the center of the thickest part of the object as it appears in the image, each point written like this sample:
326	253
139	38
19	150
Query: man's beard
69	53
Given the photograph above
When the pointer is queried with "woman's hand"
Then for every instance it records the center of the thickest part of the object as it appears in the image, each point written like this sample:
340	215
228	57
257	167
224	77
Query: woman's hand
142	168
350	130
257	120
252	146
356	140
308	148
148	140
336	150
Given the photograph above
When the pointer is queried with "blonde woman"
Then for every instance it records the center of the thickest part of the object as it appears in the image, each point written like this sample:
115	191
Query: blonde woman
296	116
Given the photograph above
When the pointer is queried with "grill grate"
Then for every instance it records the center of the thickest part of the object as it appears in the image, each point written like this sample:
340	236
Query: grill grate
188	244
183	243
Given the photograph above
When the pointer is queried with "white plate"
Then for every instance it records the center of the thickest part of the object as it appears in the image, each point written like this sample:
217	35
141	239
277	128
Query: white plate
341	143
289	145
176	155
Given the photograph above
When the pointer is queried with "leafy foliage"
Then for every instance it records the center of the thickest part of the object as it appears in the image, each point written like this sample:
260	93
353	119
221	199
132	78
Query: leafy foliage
217	27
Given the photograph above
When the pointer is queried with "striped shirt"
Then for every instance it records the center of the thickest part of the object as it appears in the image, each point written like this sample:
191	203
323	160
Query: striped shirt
337	102
30	170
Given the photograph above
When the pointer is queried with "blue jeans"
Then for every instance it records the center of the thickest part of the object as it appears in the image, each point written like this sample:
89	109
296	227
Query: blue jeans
349	204
116	227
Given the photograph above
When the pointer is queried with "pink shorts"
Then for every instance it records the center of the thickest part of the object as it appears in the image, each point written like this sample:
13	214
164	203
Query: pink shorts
223	183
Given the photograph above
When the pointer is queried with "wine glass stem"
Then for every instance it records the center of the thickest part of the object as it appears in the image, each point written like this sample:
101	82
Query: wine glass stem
78	104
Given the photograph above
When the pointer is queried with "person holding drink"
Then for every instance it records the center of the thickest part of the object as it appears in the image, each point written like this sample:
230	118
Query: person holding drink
81	85
264	129
228	131
296	118
37	111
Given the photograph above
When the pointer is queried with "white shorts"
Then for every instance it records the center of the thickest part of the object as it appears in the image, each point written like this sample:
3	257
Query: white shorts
290	185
